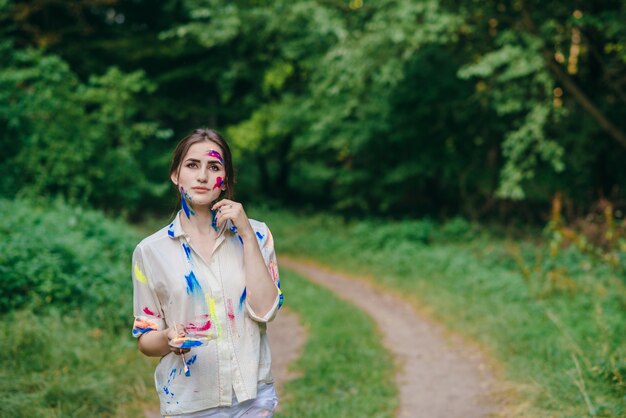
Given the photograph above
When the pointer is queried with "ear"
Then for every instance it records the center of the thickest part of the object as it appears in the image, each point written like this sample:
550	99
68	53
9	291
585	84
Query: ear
174	179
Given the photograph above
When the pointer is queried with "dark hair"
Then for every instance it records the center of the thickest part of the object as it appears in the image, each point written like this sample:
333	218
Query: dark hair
200	135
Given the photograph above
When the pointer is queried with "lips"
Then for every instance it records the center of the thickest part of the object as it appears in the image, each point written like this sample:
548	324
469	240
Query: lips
200	189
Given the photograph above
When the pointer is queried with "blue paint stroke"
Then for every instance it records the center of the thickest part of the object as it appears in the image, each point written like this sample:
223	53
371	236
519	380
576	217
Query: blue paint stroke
138	330
190	344
242	299
192	360
192	283
183	201
214	221
187	251
259	235
281	299
170	230
233	229
240	240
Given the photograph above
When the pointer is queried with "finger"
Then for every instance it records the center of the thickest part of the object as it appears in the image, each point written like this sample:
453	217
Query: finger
221	203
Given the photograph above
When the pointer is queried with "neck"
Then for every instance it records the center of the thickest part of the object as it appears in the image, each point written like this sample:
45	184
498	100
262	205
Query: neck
198	221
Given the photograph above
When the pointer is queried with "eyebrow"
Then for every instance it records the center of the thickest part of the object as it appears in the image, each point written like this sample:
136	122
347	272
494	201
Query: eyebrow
195	160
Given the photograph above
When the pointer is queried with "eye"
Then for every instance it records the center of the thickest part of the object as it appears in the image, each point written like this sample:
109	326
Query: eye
191	165
214	167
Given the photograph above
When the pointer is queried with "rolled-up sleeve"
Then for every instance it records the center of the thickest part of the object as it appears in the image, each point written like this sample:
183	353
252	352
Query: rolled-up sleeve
266	242
146	307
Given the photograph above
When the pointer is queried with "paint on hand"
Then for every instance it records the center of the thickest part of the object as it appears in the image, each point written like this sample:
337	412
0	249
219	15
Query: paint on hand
242	299
240	239
184	197
141	326
233	229
139	275
192	283
170	230
215	154
218	183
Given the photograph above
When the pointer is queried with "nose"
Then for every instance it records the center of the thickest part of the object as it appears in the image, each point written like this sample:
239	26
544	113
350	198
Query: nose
202	176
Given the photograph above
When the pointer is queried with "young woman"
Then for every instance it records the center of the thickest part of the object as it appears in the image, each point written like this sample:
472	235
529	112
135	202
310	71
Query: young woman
204	288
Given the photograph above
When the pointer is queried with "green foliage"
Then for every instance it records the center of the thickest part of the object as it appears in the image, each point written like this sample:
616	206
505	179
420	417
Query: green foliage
67	258
341	340
57	365
78	140
556	323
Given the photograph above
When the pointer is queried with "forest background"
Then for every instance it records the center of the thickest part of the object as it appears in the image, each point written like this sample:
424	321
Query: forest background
397	116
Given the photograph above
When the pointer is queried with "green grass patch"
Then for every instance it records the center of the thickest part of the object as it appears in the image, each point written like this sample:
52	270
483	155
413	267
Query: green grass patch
345	370
58	366
557	323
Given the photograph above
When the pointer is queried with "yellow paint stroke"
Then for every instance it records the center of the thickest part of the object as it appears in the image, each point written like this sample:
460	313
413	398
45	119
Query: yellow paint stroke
213	312
139	275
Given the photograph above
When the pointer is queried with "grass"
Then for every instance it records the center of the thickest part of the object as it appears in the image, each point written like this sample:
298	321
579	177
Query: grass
558	331
58	366
345	370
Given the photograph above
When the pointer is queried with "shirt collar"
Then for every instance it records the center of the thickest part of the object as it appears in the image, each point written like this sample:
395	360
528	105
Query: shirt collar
175	229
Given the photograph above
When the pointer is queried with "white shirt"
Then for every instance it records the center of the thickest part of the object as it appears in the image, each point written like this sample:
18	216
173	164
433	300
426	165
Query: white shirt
173	284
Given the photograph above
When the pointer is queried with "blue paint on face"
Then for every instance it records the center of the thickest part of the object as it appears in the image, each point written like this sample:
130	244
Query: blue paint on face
187	251
242	299
192	284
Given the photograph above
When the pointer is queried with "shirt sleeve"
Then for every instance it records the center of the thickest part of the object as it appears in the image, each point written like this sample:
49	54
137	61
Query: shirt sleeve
146	307
266	243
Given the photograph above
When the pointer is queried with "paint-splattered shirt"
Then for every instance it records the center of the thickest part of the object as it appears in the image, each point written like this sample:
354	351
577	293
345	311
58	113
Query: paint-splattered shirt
173	284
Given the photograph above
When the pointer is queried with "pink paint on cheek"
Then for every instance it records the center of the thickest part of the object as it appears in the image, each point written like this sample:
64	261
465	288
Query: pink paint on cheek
218	183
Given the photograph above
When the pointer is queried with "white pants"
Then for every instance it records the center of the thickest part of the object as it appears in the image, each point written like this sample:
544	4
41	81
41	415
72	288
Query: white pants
262	406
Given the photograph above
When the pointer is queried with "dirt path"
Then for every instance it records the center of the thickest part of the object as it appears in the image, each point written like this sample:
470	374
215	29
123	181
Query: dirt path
438	375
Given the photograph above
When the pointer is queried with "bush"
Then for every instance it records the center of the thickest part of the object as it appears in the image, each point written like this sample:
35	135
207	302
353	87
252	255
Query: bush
67	257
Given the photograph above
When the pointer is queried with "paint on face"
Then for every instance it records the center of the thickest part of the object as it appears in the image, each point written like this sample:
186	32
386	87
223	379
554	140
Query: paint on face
184	199
242	299
260	236
218	183
170	230
192	283
215	154
214	221
147	311
187	251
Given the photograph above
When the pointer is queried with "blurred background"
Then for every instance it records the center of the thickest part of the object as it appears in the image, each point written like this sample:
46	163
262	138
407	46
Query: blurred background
471	154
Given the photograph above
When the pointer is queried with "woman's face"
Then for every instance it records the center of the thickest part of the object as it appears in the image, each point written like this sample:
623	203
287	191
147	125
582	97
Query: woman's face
201	177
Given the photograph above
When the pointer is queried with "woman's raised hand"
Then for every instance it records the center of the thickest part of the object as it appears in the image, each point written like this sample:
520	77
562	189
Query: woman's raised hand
228	209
